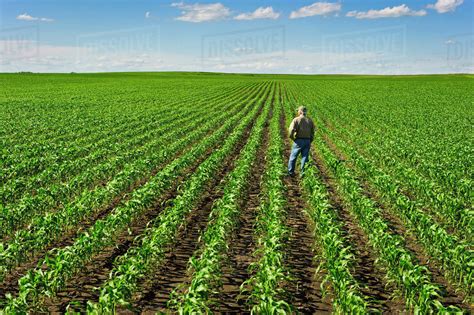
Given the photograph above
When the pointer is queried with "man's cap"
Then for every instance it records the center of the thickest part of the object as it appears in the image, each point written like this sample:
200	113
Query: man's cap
303	109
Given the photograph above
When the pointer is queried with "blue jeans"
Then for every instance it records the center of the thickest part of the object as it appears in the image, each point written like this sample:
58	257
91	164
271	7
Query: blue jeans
299	146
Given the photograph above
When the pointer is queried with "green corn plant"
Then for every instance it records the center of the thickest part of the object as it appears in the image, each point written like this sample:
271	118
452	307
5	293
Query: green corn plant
269	272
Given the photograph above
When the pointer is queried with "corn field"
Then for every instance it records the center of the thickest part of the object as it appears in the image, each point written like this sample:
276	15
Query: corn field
167	193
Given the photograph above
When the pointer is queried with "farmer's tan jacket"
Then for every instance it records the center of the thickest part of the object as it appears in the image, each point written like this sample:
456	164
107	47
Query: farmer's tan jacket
301	127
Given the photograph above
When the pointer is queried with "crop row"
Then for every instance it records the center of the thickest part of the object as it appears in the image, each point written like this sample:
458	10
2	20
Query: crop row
337	256
454	256
206	263
56	195
45	229
450	211
68	260
133	266
412	279
102	145
269	272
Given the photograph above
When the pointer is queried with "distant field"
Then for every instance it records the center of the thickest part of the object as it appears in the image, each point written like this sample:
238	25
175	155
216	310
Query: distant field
167	192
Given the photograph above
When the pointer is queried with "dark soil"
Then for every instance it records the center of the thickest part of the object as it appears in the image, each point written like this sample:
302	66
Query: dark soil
305	289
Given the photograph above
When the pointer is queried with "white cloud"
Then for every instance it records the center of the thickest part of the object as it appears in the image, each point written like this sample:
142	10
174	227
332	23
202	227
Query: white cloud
317	8
302	62
147	15
260	13
450	42
388	12
199	12
443	6
36	57
27	17
61	59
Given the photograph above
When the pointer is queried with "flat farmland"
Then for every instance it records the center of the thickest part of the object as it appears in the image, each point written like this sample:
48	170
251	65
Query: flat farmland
167	192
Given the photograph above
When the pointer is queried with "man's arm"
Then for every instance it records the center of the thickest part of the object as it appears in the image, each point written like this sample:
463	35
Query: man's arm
292	130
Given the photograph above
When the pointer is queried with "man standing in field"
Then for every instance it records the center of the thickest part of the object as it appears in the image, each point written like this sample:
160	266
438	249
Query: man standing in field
302	133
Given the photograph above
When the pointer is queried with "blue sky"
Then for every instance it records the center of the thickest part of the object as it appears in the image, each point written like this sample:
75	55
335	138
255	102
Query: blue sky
372	36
